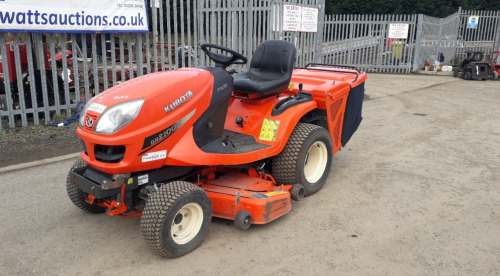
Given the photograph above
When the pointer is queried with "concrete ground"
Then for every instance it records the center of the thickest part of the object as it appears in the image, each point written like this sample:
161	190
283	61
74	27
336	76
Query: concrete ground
415	192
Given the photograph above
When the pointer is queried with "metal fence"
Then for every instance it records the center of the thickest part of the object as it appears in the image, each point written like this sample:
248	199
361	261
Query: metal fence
447	40
242	25
363	41
238	24
484	38
46	78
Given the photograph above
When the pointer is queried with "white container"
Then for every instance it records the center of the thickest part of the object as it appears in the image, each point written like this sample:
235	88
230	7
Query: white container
446	68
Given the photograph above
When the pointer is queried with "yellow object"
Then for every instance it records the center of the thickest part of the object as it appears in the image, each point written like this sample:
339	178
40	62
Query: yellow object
397	49
275	193
269	130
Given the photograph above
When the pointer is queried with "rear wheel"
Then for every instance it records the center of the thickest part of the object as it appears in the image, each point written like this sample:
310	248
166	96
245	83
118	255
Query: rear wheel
297	192
176	218
455	73
77	195
306	158
494	75
243	220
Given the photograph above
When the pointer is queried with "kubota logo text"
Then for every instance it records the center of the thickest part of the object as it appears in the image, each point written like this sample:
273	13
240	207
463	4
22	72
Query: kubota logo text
182	99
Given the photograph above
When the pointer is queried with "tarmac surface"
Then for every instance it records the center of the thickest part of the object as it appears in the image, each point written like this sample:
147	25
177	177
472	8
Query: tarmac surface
415	192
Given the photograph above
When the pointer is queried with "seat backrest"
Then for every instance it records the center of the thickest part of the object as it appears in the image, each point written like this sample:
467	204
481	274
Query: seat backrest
272	59
270	68
465	62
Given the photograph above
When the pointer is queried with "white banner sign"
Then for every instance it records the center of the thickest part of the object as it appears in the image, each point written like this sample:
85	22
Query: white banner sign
398	30
291	18
73	16
300	19
309	20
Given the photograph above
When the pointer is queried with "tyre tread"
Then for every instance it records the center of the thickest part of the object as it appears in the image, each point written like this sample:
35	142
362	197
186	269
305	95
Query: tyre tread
76	195
157	209
284	165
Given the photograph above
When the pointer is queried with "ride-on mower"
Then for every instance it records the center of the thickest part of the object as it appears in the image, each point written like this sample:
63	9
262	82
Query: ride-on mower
472	68
178	147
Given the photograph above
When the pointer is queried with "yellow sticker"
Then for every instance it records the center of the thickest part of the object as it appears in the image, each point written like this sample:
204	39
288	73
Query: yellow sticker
275	193
269	130
130	181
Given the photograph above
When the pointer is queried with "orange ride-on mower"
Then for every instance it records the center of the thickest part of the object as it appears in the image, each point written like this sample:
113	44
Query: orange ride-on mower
178	147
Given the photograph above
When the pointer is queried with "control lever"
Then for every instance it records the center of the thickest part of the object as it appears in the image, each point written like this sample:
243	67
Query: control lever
299	95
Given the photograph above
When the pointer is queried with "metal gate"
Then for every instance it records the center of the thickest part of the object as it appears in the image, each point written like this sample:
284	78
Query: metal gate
437	39
244	24
363	41
447	40
484	36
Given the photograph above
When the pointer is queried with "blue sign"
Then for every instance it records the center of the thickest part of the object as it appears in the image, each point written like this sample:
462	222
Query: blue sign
473	21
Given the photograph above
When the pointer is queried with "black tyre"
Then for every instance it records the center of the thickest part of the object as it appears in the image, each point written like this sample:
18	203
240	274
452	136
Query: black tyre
3	97
306	158
297	192
176	218
243	220
467	75
493	75
3	102
455	73
76	195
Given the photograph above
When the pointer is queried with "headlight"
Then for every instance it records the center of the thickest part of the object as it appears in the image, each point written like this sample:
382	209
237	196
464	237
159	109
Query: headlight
118	116
84	111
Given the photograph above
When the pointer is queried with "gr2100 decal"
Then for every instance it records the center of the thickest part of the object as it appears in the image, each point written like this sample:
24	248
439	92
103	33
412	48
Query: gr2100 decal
155	139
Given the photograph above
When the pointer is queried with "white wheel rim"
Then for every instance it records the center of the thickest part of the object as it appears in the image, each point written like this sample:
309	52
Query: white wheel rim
315	163
187	223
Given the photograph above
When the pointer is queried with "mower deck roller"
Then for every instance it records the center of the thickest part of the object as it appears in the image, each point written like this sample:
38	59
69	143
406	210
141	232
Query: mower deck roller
179	147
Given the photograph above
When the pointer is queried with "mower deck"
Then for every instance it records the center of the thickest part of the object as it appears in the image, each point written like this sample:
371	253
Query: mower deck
237	191
230	193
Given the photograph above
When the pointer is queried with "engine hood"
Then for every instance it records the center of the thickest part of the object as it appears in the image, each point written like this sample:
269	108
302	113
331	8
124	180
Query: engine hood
166	95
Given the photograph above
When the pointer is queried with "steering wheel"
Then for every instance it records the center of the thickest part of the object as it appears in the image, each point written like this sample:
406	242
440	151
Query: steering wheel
221	60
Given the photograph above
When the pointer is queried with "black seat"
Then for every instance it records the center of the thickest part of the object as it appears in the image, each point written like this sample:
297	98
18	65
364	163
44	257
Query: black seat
465	62
270	69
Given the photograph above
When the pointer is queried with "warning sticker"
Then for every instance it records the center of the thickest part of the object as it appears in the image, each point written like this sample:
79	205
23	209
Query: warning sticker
275	193
269	130
143	179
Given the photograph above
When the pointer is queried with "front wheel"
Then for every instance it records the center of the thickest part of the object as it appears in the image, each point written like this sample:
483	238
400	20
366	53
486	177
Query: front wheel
467	75
77	195
306	158
176	218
